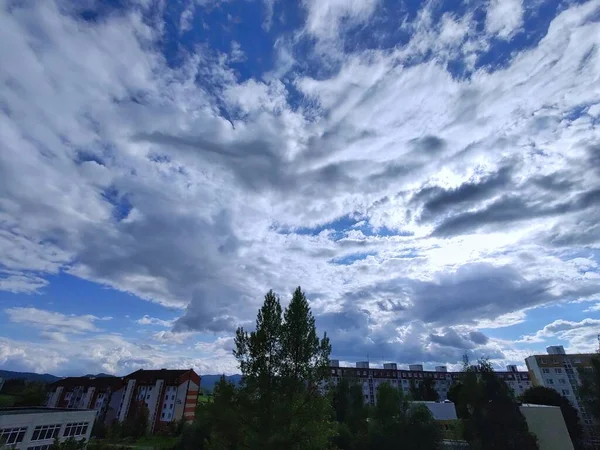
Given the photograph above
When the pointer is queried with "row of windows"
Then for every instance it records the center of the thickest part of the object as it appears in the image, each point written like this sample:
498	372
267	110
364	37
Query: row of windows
75	429
556	370
560	381
39	447
12	435
42	432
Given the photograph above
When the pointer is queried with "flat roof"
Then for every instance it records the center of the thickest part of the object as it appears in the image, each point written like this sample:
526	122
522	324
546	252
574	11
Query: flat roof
37	410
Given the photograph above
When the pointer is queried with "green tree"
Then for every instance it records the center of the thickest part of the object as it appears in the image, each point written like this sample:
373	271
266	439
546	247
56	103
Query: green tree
590	387
68	444
351	415
136	425
284	364
491	416
396	423
540	395
424	390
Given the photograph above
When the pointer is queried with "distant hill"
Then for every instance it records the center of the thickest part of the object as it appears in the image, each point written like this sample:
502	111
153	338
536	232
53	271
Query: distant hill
208	381
99	375
29	376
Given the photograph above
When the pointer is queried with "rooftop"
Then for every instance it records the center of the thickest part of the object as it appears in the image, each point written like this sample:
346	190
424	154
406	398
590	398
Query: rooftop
37	410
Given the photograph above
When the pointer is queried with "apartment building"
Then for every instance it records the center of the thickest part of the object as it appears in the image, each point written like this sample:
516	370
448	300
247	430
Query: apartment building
560	371
84	393
36	428
442	380
169	395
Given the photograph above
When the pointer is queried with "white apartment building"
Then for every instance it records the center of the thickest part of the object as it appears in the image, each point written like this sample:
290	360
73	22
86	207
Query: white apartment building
169	395
36	428
442	380
560	371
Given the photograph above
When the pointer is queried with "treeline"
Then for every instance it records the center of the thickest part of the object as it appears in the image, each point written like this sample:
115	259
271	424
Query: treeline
20	392
286	401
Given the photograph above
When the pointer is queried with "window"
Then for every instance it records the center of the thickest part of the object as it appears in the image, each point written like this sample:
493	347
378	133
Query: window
172	397
549	381
171	406
162	416
165	406
75	429
12	435
542	361
39	447
147	397
565	392
562	381
546	370
45	432
558	370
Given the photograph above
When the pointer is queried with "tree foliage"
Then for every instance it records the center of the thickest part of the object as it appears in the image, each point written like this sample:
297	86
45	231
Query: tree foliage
491	415
351	415
396	423
279	403
424	390
540	395
68	444
590	387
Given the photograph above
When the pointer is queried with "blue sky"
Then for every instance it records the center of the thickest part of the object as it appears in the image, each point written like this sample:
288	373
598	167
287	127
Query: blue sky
426	171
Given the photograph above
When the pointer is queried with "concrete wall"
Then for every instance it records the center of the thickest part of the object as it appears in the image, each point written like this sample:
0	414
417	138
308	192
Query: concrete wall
34	419
548	425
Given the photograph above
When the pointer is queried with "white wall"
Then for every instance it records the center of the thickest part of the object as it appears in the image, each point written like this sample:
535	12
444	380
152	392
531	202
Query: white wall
52	417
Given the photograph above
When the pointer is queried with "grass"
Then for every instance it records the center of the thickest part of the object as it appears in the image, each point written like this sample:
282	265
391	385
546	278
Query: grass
144	443
204	398
155	442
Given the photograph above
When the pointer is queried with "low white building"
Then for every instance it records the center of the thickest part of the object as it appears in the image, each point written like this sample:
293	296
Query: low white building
440	410
548	425
36	428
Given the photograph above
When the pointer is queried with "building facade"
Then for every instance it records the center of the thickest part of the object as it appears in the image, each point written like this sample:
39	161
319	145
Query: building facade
36	428
441	379
560	371
168	395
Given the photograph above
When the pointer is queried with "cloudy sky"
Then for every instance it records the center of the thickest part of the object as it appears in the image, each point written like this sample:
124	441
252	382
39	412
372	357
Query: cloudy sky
428	172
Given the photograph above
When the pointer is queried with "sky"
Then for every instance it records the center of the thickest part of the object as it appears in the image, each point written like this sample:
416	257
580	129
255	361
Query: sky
427	172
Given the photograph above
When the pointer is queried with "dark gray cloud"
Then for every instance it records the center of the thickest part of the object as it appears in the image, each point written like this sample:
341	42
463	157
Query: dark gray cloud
478	337
513	208
476	292
451	338
432	145
437	200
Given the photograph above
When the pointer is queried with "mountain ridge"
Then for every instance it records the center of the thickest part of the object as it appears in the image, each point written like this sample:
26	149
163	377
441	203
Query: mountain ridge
208	381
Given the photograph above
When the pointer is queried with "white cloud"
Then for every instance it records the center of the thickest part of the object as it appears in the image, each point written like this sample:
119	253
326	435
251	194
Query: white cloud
171	337
147	320
17	282
324	16
133	175
504	17
103	353
187	16
581	337
52	321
